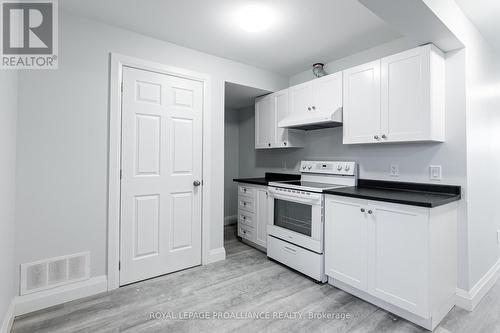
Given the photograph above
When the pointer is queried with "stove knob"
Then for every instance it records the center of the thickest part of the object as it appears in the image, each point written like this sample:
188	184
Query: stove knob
347	167
304	167
310	167
339	167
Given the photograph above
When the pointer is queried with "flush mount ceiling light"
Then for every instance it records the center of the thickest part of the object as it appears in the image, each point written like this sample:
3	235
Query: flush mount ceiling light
255	18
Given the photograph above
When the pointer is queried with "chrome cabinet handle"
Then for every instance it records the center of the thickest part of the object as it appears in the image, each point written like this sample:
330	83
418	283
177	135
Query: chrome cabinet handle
384	136
196	183
362	210
375	137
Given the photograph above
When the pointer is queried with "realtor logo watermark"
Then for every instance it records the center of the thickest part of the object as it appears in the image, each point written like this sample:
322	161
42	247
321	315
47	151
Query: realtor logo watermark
29	34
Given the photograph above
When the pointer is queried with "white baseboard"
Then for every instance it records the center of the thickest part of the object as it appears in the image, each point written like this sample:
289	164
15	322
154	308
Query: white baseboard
8	319
228	220
216	255
468	300
47	298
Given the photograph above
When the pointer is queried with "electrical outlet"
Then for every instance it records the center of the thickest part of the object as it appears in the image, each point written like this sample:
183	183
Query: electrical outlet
394	170
435	172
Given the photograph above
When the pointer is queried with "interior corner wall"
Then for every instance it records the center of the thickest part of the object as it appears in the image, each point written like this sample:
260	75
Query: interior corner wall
63	137
231	164
482	70
8	125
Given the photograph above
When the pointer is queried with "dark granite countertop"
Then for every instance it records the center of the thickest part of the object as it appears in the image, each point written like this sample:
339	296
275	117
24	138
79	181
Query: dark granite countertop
269	177
414	194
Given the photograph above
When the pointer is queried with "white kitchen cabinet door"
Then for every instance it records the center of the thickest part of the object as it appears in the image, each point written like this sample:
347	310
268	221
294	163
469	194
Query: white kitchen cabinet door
407	112
265	128
261	216
281	109
362	104
399	256
346	243
301	98
327	93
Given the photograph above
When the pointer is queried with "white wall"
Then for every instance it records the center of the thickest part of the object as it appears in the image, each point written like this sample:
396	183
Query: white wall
375	160
63	137
231	164
365	56
483	138
8	120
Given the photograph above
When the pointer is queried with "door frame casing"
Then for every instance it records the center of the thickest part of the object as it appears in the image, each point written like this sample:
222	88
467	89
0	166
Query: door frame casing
117	62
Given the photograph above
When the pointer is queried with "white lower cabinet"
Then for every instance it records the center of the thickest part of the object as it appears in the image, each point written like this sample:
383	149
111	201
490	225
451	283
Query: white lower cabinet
252	214
399	257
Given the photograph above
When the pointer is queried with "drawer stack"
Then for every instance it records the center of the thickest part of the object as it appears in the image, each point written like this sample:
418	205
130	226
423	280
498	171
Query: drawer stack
246	212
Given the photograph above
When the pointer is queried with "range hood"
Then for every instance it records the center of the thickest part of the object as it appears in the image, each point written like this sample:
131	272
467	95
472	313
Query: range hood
312	120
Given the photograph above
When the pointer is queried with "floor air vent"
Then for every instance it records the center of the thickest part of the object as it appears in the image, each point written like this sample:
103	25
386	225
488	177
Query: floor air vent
54	272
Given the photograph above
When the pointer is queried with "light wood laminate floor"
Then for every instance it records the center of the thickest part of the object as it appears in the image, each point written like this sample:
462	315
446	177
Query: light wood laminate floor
245	282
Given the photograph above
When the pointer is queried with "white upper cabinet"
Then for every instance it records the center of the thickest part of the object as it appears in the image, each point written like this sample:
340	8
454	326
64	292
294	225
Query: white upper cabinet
269	111
399	98
281	111
319	95
327	92
301	98
362	103
264	120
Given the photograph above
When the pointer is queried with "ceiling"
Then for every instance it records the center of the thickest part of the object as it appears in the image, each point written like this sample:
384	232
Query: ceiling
238	96
485	14
304	32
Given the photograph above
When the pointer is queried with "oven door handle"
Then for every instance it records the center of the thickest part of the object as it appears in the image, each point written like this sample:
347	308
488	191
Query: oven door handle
311	201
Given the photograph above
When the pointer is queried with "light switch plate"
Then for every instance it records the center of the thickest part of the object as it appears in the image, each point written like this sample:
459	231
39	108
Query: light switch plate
394	172
435	172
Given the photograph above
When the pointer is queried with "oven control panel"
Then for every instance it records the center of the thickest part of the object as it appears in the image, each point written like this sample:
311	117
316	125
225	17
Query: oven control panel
344	168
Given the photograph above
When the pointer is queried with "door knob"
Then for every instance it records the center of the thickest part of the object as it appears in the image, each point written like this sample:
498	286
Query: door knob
196	183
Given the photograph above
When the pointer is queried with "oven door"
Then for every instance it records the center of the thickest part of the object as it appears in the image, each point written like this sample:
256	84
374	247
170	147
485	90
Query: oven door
296	217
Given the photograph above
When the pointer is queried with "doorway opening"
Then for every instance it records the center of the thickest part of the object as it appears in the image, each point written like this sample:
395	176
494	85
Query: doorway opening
239	149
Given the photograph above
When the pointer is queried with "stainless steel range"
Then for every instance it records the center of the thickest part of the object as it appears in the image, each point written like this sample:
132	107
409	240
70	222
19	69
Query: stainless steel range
296	215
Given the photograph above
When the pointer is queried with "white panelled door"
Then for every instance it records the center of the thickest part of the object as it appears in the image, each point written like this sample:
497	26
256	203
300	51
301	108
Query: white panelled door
161	165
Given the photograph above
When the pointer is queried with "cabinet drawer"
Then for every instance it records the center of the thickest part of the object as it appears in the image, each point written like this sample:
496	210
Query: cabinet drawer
246	203
246	232
246	218
246	190
296	257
